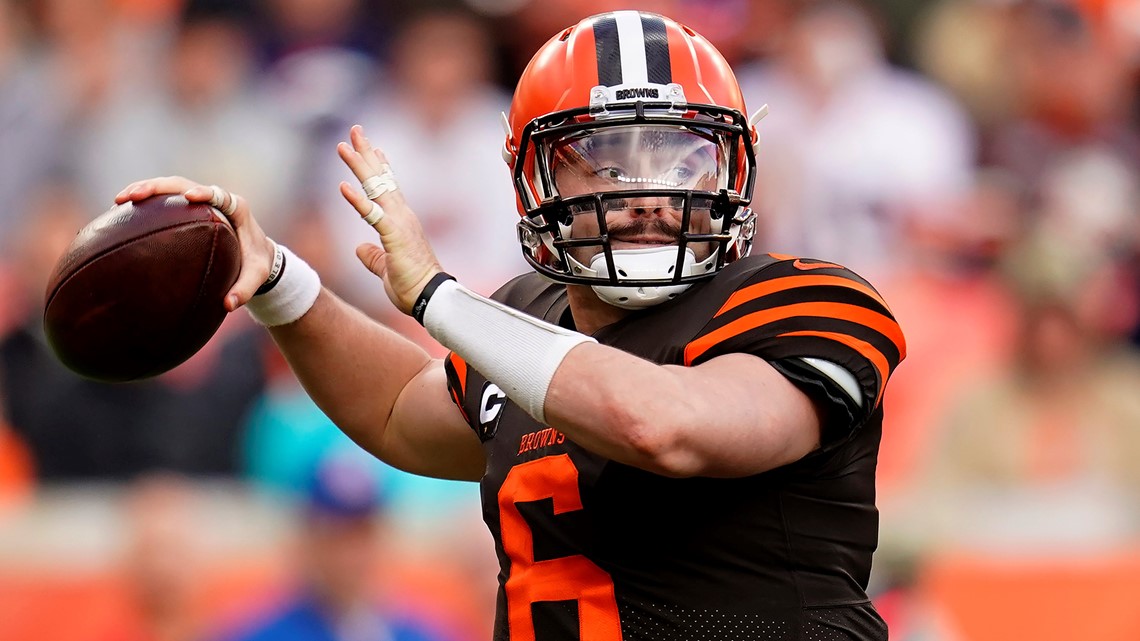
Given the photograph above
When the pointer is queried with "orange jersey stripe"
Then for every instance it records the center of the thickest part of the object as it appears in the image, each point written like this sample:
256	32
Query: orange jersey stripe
460	366
459	404
841	311
863	347
752	292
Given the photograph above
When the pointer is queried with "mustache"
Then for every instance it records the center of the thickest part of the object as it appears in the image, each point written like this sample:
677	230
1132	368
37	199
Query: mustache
637	227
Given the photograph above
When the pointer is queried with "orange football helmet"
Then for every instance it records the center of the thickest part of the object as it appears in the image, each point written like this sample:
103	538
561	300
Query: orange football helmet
631	111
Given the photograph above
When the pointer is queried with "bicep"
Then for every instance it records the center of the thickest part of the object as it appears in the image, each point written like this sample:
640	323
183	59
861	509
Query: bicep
427	434
732	415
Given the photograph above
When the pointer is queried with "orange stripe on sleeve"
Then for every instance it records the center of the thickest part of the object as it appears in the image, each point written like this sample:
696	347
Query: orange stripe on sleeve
840	311
866	349
460	366
459	404
752	292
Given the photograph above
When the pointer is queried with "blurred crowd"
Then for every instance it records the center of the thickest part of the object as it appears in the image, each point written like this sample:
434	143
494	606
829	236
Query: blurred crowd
978	160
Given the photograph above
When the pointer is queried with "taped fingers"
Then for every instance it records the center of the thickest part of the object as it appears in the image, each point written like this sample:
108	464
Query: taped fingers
370	212
375	215
381	183
223	200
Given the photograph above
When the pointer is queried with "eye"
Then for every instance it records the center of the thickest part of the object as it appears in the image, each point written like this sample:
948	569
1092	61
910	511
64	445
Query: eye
610	173
681	175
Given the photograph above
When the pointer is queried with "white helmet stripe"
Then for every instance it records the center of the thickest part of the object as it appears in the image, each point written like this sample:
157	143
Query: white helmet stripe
631	41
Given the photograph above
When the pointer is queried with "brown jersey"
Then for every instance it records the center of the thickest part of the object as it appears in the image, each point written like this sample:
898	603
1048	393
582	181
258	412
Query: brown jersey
595	550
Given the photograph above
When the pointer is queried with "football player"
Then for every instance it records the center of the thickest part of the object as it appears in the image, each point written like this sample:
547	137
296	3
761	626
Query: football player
676	439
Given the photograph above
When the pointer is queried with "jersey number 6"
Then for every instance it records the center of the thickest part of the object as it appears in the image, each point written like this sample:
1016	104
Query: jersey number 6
569	578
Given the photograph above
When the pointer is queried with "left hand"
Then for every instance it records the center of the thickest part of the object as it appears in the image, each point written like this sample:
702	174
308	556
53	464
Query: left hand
405	260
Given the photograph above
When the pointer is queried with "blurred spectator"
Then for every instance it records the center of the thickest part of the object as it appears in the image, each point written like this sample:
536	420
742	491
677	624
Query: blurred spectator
741	29
855	152
439	123
339	549
1072	89
1074	142
194	115
964	46
163	563
1043	454
1091	198
960	323
321	60
290	27
185	420
90	53
31	115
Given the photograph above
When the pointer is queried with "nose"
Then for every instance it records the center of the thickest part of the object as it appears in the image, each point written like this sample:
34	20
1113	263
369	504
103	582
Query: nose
647	212
647	207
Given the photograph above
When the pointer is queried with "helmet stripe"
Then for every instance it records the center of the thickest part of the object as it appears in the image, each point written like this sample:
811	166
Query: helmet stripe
607	51
656	49
632	43
632	48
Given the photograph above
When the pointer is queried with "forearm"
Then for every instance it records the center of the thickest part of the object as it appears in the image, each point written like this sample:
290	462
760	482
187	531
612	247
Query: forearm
353	367
622	407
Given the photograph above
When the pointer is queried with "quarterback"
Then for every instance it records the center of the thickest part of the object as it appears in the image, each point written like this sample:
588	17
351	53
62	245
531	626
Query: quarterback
675	437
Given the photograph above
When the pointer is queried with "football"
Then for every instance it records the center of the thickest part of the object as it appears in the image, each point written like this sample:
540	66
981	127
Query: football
140	289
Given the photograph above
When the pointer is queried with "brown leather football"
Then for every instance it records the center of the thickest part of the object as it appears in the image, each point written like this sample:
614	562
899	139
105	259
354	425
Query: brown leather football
140	289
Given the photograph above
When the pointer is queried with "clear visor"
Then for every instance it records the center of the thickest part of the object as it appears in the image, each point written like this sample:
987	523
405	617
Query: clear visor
628	157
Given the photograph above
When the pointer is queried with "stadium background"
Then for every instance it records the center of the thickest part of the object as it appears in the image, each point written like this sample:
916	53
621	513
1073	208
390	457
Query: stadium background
979	160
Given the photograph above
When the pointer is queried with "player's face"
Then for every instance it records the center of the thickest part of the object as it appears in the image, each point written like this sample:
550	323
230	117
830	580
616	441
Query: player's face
639	158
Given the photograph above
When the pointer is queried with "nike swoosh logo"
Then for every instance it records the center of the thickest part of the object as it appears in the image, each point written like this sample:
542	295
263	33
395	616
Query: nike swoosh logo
800	264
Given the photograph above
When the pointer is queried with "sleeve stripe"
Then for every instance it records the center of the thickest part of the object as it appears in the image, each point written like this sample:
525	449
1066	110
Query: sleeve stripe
460	366
759	290
841	311
882	365
459	404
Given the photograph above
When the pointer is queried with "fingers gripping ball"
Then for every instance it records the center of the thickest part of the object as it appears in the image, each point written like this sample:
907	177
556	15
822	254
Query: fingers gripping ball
140	289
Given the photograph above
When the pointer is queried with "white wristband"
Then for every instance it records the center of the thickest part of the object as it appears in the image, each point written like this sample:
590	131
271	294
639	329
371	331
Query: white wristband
517	352
292	296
